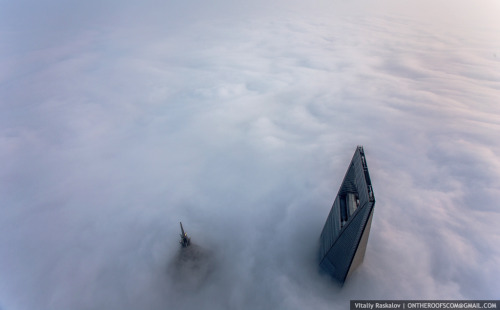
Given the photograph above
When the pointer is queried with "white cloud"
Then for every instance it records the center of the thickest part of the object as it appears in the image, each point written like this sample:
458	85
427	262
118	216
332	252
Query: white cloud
240	123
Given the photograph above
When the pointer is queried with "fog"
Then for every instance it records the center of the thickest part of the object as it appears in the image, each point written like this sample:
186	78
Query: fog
119	120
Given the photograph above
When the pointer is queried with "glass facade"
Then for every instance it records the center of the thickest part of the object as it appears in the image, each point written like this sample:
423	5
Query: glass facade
345	234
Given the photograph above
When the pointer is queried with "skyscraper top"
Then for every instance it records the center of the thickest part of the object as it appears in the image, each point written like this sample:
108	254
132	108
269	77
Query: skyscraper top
345	234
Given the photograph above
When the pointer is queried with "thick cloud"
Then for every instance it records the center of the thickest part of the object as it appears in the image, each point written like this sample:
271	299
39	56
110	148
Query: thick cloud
118	121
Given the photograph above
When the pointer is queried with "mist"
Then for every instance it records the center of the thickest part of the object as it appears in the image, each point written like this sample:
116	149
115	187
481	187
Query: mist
120	120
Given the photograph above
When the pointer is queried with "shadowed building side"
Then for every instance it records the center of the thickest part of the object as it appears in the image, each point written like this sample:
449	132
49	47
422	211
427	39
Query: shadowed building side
345	234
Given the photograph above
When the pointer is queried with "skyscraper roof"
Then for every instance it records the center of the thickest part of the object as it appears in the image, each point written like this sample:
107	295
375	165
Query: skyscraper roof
345	234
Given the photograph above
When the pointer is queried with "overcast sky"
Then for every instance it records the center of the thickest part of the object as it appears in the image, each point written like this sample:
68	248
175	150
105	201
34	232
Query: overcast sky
118	120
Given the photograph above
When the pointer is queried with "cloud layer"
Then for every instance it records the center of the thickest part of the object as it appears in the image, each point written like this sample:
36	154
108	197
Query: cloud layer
119	122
